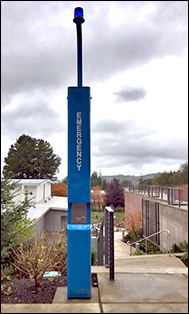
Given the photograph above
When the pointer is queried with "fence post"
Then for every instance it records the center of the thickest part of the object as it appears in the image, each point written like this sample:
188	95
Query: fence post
162	192
100	247
179	196
111	245
106	238
106	242
171	197
168	195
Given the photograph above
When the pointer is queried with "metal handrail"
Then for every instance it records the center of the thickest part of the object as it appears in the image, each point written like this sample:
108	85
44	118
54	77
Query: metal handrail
122	222
174	195
105	241
146	238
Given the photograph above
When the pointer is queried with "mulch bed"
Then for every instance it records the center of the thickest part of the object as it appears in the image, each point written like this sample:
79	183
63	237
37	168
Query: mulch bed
24	291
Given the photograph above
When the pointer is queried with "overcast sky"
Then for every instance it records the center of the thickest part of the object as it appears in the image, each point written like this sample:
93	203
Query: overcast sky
135	61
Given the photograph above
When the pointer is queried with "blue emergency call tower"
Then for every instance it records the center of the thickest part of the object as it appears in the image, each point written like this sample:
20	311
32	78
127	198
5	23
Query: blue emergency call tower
79	199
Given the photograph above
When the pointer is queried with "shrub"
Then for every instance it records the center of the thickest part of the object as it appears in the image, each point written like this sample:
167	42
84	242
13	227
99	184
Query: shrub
181	247
47	253
14	225
151	248
93	256
185	256
138	253
4	289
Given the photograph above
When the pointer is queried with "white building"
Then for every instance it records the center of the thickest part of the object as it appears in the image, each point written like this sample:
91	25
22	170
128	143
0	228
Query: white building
38	189
50	212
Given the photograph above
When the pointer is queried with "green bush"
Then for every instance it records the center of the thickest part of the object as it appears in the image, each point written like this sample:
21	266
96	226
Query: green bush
185	256
139	253
181	247
93	256
5	290
15	228
151	248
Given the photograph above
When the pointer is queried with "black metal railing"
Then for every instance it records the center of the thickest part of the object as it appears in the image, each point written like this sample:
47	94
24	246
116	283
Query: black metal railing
173	195
105	241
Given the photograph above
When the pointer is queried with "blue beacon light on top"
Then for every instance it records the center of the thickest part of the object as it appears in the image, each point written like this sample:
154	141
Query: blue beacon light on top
78	12
78	16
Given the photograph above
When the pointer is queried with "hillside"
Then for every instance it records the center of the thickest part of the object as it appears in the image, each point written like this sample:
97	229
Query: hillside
134	179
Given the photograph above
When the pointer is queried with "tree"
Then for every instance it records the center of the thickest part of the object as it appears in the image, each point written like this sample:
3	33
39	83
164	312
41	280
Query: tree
126	183
59	189
114	194
96	180
31	158
133	221
15	228
97	198
65	180
184	172
174	178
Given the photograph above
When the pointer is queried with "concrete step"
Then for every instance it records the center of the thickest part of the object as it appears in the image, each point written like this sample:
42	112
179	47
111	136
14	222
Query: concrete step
150	260
141	270
51	308
146	264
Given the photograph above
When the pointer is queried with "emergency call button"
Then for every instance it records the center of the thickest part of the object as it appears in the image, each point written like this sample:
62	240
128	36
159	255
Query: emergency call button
79	213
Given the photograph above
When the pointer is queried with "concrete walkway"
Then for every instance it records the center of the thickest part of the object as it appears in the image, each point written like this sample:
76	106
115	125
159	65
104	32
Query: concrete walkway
143	284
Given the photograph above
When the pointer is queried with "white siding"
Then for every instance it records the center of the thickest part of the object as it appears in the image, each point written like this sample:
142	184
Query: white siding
39	193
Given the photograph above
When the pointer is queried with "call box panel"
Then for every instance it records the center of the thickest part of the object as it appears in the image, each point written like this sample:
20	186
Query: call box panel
79	213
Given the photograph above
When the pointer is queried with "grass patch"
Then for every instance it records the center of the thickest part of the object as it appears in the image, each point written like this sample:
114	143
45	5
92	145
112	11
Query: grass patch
96	217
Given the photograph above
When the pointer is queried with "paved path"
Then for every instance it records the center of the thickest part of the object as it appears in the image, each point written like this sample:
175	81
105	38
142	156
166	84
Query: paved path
143	284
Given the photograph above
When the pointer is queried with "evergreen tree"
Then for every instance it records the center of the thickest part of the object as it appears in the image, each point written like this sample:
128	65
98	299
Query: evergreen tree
184	172
96	179
15	227
31	158
174	178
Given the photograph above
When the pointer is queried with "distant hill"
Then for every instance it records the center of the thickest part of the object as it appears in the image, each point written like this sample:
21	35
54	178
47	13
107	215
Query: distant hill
134	179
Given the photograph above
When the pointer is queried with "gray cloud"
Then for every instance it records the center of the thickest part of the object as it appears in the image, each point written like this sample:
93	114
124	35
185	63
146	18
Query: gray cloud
137	154
135	43
130	94
38	58
32	116
39	52
110	128
121	143
142	148
35	49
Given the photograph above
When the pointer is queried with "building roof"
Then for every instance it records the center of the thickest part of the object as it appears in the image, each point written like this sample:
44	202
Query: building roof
41	208
30	182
